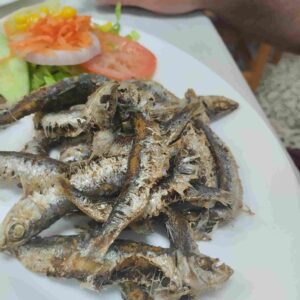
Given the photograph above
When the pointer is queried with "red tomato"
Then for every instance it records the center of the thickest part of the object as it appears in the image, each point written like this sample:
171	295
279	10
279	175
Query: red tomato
121	59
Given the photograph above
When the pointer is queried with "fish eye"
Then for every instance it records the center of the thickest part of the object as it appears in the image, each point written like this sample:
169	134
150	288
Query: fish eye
16	232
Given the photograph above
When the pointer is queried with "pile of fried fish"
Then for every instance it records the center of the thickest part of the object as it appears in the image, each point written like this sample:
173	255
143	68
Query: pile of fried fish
132	155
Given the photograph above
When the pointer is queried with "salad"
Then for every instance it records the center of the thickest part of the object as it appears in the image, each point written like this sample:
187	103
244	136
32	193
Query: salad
45	43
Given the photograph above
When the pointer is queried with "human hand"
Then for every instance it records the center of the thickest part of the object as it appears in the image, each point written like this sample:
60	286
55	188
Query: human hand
162	6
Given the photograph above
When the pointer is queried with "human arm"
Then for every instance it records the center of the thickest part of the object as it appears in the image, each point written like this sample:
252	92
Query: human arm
274	21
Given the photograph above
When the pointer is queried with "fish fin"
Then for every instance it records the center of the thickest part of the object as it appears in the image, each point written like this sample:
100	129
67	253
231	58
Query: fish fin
203	196
200	112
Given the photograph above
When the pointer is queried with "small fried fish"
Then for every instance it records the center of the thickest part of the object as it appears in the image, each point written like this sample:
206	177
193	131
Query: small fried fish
148	162
28	169
32	214
65	93
165	273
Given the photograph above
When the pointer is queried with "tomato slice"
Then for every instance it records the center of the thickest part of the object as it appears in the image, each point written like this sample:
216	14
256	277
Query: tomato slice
121	59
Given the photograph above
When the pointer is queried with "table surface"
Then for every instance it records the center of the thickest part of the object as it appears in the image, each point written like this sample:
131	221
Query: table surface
194	33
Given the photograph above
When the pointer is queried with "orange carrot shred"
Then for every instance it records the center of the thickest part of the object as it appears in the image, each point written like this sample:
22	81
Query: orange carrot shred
57	33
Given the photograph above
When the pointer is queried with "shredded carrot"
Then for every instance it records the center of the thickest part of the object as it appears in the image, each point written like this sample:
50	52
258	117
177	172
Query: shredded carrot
55	33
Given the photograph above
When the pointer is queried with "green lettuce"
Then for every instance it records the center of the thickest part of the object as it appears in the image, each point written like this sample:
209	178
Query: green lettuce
47	75
117	26
133	35
14	79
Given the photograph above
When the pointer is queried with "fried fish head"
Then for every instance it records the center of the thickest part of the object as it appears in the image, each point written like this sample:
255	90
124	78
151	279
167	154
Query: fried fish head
11	234
100	108
201	272
13	231
152	104
31	215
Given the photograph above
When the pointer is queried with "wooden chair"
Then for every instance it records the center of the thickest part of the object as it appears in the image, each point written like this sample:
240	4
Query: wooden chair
251	56
257	65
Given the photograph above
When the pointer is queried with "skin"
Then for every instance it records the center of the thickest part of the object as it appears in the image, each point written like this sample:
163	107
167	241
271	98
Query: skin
58	126
273	21
82	118
147	161
160	93
45	201
204	219
43	207
163	7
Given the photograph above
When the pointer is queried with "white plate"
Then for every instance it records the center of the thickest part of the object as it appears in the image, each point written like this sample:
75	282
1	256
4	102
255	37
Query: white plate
6	2
264	250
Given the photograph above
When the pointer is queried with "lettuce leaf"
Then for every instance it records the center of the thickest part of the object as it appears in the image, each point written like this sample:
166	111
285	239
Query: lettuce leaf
47	75
117	26
14	79
4	49
133	35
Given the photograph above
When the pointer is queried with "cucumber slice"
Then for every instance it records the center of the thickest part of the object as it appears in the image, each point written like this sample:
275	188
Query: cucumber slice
4	49
14	77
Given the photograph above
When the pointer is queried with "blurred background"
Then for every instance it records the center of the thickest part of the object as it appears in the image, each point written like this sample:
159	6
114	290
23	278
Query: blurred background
274	77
